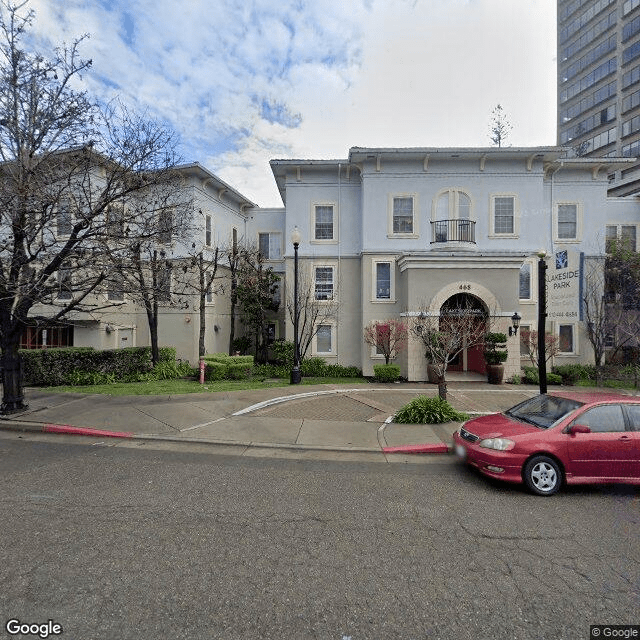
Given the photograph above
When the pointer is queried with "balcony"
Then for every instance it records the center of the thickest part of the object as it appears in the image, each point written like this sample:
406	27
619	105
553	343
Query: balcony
456	232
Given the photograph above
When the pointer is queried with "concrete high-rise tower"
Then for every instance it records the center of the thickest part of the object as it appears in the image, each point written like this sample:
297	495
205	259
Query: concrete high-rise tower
599	82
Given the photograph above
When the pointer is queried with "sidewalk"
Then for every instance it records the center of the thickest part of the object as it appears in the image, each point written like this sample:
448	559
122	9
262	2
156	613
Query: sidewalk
345	418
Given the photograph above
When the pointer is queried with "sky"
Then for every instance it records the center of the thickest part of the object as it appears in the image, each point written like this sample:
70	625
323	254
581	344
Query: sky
246	81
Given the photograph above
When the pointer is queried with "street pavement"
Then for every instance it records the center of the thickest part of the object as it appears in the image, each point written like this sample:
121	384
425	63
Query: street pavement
352	419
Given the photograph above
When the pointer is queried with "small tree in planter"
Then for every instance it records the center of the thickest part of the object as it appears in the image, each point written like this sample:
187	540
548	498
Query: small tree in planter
444	337
495	354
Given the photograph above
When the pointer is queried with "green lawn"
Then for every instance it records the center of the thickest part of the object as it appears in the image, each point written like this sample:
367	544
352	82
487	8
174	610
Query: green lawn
175	387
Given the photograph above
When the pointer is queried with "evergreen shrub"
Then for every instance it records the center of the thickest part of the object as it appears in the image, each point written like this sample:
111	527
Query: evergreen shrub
386	372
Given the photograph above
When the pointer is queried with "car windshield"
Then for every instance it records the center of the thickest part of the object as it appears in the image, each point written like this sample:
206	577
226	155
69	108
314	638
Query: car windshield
543	411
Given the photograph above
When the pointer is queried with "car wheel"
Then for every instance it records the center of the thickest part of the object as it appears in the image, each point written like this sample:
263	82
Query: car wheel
542	475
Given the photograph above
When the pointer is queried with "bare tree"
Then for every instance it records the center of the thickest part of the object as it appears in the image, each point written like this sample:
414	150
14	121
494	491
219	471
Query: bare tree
146	239
459	326
389	337
499	126
529	340
611	304
314	310
64	162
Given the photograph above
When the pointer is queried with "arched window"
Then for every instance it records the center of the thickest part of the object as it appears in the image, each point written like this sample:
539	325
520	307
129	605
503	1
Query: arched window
452	217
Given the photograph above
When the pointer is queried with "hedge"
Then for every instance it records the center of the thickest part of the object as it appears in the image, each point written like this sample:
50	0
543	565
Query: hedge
86	365
227	359
531	376
386	372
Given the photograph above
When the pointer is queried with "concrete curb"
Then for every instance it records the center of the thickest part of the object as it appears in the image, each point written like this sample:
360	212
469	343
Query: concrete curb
419	448
84	431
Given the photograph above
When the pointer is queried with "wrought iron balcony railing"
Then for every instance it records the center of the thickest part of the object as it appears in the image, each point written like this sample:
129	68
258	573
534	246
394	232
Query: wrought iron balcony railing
456	230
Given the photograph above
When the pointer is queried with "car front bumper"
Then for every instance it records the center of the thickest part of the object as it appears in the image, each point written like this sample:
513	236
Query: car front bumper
502	465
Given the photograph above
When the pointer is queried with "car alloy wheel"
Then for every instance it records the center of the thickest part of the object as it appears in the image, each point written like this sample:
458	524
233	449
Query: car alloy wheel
542	475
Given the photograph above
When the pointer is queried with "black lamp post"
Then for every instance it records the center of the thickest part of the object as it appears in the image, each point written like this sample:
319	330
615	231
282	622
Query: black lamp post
542	315
296	375
515	323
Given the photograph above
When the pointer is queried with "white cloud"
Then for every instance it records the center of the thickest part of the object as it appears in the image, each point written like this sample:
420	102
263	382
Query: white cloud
235	77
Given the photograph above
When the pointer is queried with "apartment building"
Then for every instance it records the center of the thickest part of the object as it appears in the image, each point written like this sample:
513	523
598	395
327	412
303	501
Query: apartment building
392	233
599	83
218	215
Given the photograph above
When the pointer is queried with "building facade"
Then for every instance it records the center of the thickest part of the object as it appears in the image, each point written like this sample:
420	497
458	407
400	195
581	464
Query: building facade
113	317
599	83
388	234
395	233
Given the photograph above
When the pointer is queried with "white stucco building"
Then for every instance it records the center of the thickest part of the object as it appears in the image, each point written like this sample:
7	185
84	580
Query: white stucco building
390	233
393	232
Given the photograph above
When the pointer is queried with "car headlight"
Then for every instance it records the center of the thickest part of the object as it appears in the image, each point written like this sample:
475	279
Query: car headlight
500	444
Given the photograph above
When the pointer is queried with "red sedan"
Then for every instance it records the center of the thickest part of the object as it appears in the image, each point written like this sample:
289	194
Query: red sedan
551	439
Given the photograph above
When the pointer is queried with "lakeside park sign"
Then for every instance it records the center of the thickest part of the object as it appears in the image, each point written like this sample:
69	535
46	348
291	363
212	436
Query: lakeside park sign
564	285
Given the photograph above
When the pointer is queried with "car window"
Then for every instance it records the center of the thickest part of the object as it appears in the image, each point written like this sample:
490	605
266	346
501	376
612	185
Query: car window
543	410
604	418
634	413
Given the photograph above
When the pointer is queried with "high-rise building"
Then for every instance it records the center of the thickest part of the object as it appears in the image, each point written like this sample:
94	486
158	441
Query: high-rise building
599	83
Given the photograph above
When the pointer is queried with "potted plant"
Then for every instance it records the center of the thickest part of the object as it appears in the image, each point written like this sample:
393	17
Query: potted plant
495	353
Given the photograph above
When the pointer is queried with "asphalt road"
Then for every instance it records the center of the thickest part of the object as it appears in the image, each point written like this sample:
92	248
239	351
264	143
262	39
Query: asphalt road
119	542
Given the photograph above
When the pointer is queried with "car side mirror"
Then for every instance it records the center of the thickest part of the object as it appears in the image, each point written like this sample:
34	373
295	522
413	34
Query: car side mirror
578	428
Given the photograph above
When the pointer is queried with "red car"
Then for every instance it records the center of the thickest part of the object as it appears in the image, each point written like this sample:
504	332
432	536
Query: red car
577	438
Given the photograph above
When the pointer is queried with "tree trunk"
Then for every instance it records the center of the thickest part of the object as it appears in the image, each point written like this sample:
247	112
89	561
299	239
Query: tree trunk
203	301
152	317
203	326
13	392
232	317
442	388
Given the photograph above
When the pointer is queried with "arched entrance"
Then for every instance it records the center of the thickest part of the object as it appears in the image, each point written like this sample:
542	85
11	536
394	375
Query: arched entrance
466	315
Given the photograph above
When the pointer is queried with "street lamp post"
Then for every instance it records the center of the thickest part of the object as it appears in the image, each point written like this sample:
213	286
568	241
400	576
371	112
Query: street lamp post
542	315
296	375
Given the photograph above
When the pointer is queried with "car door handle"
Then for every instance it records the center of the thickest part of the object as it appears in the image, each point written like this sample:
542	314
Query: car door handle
625	438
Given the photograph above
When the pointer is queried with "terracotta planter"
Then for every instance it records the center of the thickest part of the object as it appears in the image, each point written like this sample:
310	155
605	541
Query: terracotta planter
495	373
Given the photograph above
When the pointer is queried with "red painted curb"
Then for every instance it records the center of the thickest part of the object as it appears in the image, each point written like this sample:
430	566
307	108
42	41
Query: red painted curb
82	431
419	448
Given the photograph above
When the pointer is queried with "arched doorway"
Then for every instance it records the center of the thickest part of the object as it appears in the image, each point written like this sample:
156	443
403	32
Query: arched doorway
467	315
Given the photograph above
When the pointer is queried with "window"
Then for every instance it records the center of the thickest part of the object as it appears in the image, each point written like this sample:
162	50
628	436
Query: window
165	226
633	411
525	282
324	283
269	245
63	219
452	213
602	419
625	234
323	222
567	222
504	215
402	215
34	338
115	288
65	284
323	339
565	333
383	280
115	221
207	231
164	284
